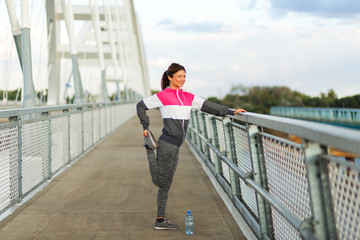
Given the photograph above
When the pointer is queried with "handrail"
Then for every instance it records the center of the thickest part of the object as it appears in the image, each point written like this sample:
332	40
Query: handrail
42	109
283	189
345	139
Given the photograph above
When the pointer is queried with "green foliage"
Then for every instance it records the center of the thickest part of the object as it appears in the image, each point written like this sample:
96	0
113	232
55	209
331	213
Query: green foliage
260	98
214	99
348	102
154	91
11	94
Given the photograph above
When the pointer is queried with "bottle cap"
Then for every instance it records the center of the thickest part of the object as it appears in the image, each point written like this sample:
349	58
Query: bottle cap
188	211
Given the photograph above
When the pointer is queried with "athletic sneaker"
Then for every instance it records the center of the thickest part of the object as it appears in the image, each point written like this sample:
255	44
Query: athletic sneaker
150	141
165	225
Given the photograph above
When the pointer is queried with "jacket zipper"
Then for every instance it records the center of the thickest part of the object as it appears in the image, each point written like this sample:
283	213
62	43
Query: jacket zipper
183	121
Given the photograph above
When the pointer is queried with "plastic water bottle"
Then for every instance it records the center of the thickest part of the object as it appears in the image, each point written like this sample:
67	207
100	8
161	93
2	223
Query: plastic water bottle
189	223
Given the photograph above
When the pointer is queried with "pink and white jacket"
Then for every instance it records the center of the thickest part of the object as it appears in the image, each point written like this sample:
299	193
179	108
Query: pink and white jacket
175	106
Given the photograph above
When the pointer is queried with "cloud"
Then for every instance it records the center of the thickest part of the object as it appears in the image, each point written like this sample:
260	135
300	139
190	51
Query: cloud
191	26
252	4
325	8
159	62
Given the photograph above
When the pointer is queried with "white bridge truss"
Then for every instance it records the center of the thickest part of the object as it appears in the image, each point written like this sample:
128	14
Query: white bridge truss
96	42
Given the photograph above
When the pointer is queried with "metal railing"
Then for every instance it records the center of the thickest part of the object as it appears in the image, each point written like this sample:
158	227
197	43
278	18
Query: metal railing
37	143
336	115
283	188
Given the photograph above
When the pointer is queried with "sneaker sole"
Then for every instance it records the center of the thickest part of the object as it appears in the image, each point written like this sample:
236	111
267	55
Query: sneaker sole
150	143
165	228
153	142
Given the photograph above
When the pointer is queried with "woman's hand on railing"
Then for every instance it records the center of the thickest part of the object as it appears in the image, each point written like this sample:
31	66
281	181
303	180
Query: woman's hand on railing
239	110
145	133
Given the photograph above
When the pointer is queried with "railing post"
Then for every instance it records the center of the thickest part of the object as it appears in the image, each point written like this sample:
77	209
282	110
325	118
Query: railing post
197	127
319	188
100	116
328	206
82	130
92	125
17	119
106	126
259	174
191	122
231	154
205	133
105	121
111	119
48	115
69	136
20	158
214	137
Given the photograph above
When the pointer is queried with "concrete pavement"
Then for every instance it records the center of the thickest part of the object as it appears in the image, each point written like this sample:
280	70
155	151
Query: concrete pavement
108	194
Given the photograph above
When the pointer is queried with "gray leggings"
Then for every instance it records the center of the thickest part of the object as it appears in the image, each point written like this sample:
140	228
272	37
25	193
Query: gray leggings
162	170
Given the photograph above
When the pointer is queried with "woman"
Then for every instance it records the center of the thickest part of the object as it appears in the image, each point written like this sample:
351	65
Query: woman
175	107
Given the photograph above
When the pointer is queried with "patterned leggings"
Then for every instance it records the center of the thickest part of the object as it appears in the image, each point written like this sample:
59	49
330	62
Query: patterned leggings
162	170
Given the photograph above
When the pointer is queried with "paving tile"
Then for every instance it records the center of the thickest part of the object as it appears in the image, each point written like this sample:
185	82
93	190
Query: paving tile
17	234
112	235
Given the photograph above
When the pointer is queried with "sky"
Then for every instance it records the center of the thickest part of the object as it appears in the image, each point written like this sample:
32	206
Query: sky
10	71
310	46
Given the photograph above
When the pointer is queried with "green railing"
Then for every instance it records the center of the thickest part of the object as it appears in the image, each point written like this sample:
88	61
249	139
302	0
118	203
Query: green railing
282	175
349	116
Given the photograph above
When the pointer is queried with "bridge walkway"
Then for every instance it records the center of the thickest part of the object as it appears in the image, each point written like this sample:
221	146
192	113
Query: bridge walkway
108	194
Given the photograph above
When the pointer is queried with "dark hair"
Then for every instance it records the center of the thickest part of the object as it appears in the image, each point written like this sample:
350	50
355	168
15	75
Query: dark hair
173	68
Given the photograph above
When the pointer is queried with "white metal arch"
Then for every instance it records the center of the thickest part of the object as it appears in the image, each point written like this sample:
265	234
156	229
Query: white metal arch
102	44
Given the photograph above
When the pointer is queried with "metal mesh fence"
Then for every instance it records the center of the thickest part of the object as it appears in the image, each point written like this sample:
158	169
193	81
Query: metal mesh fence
119	114
35	161
63	132
282	228
222	147
192	123
197	121
59	142
108	120
113	117
202	126
9	192
244	163
102	122
129	111
277	168
287	182
208	123
344	181
88	128
96	125
75	135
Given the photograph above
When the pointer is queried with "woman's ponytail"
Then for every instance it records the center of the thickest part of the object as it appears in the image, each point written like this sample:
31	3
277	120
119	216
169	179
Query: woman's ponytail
165	80
173	68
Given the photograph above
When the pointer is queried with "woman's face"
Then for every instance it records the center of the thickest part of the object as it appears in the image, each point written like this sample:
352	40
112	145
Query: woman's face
178	79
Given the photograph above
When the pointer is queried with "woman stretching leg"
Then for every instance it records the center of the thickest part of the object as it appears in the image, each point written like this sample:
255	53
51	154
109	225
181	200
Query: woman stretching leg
175	106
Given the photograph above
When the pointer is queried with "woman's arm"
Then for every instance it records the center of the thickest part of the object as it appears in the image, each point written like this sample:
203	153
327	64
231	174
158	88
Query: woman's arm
144	105
219	110
213	108
141	112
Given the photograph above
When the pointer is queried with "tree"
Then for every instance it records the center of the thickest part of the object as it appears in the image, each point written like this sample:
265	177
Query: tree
214	99
260	98
329	99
